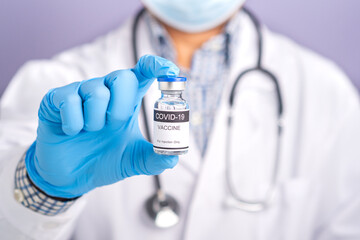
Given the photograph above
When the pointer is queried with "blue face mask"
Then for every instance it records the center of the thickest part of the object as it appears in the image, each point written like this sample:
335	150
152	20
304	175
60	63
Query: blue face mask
193	15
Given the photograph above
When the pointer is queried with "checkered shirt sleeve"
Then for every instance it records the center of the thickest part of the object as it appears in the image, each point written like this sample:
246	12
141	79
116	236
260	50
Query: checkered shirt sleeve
31	197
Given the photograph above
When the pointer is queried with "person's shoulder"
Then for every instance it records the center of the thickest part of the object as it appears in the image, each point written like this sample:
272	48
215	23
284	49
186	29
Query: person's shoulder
95	58
106	53
321	77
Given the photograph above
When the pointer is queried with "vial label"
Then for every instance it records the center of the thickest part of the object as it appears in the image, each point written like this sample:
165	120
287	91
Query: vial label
171	130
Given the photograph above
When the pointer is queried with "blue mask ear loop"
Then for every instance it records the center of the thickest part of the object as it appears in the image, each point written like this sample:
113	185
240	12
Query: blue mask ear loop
162	44
227	49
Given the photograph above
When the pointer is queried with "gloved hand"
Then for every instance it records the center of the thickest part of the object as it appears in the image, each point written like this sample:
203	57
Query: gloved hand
88	134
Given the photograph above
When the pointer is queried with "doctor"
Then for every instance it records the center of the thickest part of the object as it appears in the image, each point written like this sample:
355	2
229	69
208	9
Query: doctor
74	162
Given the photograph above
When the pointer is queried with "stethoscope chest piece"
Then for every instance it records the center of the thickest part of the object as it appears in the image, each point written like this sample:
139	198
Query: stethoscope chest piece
163	209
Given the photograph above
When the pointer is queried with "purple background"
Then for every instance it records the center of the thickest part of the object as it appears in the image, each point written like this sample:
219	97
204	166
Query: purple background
39	28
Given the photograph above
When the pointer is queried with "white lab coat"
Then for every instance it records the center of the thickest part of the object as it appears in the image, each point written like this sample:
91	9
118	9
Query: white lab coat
317	195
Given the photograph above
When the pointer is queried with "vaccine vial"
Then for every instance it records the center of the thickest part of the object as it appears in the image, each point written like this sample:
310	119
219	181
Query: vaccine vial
171	118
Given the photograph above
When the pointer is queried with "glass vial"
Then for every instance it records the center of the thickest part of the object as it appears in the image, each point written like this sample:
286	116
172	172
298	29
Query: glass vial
171	118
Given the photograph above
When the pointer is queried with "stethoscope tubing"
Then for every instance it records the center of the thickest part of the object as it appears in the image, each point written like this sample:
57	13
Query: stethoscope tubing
240	203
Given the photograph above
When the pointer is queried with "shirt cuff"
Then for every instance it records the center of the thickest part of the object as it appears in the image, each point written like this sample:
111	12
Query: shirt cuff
30	196
27	222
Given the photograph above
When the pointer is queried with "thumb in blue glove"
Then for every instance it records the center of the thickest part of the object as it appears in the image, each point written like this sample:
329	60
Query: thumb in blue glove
88	134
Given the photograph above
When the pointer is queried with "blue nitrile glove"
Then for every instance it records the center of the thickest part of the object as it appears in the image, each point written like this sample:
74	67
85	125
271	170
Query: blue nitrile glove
88	134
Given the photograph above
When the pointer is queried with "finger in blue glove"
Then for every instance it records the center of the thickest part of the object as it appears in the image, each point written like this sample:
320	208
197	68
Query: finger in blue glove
88	133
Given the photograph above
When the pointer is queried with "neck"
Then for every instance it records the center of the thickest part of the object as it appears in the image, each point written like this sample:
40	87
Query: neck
187	43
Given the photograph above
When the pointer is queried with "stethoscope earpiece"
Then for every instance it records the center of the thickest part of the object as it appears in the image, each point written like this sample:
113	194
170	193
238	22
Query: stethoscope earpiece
163	210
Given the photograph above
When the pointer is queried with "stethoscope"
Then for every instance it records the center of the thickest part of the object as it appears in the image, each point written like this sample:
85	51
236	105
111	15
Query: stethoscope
162	208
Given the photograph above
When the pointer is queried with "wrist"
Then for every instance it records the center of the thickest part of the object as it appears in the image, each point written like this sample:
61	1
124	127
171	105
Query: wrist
27	194
41	184
53	197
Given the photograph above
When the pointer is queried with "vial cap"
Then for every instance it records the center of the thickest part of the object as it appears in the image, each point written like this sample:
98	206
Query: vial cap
172	83
171	79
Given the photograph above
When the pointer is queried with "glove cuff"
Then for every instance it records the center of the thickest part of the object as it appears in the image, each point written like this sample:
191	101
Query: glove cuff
38	182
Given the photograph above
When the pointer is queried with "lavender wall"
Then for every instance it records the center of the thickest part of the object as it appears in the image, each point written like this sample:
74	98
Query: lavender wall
39	29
